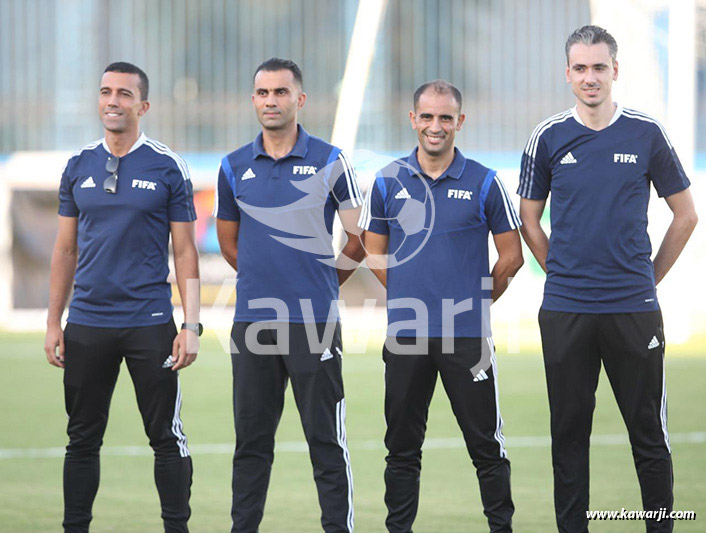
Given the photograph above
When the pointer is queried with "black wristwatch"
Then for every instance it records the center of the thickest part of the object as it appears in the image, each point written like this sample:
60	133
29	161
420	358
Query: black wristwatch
196	328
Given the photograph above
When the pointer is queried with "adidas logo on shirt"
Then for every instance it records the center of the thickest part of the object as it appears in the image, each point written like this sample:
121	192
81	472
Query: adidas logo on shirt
88	183
568	159
481	376
248	175
326	355
402	195
654	343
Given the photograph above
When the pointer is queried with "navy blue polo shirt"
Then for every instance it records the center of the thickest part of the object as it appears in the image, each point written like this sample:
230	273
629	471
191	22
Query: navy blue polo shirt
599	250
285	208
123	238
438	244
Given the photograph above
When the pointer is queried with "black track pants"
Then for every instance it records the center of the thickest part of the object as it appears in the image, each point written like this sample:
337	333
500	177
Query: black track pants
259	382
409	385
93	357
631	348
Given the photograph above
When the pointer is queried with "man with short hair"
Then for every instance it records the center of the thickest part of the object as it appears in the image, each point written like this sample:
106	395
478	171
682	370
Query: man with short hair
120	199
275	206
600	303
432	213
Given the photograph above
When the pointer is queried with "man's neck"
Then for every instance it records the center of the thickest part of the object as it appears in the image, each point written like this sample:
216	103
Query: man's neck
434	166
120	143
599	117
278	143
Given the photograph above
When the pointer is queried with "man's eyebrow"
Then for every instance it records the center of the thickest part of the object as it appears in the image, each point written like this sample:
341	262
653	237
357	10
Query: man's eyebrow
116	88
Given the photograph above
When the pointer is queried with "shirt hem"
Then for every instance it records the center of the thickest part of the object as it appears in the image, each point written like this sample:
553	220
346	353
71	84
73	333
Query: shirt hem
592	309
118	325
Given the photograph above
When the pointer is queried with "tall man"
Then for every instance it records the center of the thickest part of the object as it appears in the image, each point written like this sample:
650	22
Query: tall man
286	183
600	304
120	199
437	296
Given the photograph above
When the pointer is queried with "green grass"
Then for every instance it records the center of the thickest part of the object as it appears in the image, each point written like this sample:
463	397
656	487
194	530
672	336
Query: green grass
33	417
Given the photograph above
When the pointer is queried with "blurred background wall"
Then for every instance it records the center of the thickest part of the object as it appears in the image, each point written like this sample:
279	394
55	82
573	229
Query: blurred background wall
506	56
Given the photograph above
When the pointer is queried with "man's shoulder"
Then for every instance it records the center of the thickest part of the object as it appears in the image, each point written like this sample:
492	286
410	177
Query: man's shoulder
244	152
317	147
168	157
642	120
553	124
83	154
395	168
475	169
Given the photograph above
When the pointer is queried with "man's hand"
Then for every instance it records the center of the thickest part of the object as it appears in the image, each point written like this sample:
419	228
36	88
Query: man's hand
184	349
54	340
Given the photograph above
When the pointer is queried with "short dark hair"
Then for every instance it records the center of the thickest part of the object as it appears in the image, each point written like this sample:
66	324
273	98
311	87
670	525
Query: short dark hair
275	63
439	87
129	68
592	35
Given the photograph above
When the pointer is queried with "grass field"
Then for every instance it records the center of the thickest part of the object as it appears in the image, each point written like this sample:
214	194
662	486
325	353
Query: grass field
33	421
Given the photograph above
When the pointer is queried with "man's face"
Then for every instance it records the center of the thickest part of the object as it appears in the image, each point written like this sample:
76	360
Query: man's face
436	119
120	103
277	98
591	72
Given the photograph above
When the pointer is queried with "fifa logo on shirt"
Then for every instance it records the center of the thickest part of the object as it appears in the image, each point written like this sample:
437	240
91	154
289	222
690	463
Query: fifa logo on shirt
625	158
459	194
304	170
144	184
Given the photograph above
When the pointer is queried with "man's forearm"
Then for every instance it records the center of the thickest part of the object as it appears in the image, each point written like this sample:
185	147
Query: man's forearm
381	275
537	241
186	266
672	245
349	259
503	270
63	268
231	257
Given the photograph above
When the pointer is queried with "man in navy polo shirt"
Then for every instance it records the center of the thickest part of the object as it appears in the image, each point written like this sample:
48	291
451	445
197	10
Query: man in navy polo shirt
427	220
120	199
275	206
600	303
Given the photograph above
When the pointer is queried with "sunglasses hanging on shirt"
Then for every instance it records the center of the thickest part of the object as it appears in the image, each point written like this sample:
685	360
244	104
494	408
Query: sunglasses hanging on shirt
110	185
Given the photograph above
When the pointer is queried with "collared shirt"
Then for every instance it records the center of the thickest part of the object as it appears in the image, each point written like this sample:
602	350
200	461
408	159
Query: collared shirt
599	250
438	244
285	208
123	238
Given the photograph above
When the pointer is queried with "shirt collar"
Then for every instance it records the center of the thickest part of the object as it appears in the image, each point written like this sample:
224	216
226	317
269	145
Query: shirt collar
139	142
616	114
300	149
454	171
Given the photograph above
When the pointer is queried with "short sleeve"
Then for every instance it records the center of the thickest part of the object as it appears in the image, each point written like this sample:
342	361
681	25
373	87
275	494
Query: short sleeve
665	169
67	205
224	206
345	189
535	171
499	212
373	217
181	195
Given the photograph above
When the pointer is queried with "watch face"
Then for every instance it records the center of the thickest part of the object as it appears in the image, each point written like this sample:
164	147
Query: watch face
196	328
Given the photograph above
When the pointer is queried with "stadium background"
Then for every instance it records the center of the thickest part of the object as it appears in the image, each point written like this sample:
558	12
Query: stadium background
506	56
